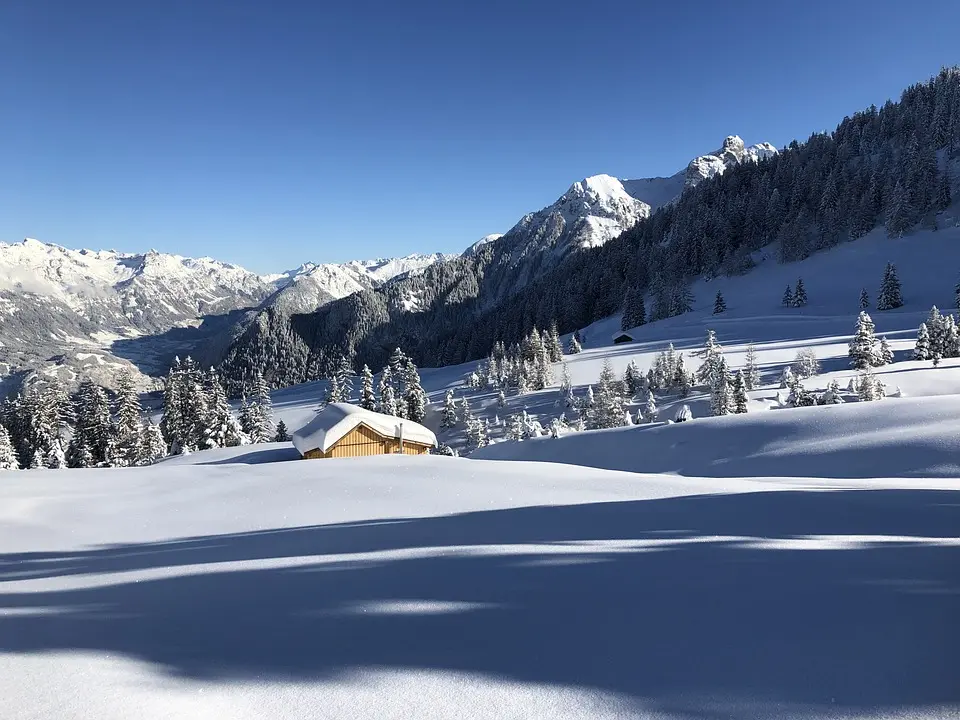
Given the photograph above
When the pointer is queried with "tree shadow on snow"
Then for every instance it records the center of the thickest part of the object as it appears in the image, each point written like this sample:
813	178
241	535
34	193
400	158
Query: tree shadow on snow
694	603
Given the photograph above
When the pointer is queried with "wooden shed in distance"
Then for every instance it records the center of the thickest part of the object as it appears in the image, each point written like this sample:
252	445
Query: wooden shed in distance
622	337
345	430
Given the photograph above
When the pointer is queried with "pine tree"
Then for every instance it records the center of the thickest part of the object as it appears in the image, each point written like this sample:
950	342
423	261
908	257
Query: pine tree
751	370
221	428
922	349
282	435
884	353
92	444
862	351
477	436
740	393
552	342
632	378
574	347
608	404
867	385
415	398
501	399
719	304
152	445
712	355
388	399
634	310
448	416
787	300
684	414
260	412
800	294
890	296
367	399
8	455
864	299
720	397
650	411
805	363
129	442
901	214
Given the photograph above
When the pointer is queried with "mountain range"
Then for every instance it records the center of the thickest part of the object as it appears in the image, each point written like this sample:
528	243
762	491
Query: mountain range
77	313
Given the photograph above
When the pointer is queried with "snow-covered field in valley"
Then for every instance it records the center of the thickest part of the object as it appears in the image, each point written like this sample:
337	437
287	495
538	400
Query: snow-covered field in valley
443	587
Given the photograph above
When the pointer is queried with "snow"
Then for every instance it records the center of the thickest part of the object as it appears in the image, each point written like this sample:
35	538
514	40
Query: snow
337	419
485	240
398	587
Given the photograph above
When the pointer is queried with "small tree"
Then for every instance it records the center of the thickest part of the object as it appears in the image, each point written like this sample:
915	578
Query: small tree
867	385
282	434
719	304
740	393
8	456
574	347
751	371
154	447
800	294
448	416
721	396
368	400
862	350
884	353
890	296
787	300
921	350
786	378
650	411
864	299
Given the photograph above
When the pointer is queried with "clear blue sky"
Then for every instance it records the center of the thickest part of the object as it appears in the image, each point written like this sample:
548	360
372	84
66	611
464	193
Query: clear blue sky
272	133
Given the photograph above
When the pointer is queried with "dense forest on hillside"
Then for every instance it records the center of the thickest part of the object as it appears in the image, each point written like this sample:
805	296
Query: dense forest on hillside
882	166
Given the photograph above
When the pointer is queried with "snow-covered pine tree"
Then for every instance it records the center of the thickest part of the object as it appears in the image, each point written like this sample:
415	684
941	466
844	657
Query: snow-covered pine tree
867	385
751	371
129	443
650	411
388	398
152	445
574	347
800	294
93	435
552	342
222	429
721	398
951	336
282	434
516	429
415	398
632	378
258	424
884	353
448	416
921	350
719	304
476	433
740	393
862	350
608	406
787	300
712	354
864	299
890	296
683	414
8	455
368	400
786	378
194	404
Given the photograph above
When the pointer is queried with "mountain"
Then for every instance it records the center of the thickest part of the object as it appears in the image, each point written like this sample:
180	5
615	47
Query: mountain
84	313
732	153
410	310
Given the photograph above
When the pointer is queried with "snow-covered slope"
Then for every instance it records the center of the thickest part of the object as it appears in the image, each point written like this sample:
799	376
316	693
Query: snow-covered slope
450	588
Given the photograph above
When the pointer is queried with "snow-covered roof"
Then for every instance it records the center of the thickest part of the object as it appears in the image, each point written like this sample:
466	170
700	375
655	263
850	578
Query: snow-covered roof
337	419
621	334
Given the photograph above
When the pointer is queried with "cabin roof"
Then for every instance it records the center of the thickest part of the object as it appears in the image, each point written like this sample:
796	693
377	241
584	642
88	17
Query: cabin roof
337	419
622	334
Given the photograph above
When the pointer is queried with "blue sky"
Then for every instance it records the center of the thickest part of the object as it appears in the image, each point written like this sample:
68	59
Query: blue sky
272	133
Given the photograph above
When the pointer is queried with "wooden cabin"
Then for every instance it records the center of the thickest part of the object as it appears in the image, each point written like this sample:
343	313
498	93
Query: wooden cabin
345	430
622	337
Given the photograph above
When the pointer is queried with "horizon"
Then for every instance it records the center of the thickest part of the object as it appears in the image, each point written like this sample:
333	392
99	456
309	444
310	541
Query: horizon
270	138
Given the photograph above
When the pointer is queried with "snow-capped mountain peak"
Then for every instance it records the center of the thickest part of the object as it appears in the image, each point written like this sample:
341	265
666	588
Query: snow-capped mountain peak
732	152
